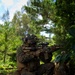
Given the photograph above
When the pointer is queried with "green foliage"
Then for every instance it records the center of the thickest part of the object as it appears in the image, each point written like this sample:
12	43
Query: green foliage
7	35
8	67
41	12
21	23
44	8
72	31
64	27
66	11
9	42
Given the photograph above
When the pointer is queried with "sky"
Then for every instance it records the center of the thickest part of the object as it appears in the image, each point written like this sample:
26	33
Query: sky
12	6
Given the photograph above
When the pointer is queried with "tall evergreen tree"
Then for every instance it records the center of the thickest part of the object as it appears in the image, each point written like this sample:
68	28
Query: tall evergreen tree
9	39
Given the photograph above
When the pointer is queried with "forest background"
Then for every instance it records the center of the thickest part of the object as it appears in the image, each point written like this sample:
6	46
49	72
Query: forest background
54	17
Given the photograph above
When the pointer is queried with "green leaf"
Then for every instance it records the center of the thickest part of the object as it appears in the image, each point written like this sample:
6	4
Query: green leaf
72	31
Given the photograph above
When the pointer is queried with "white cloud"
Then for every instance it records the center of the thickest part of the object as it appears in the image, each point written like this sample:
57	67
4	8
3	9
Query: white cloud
7	3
